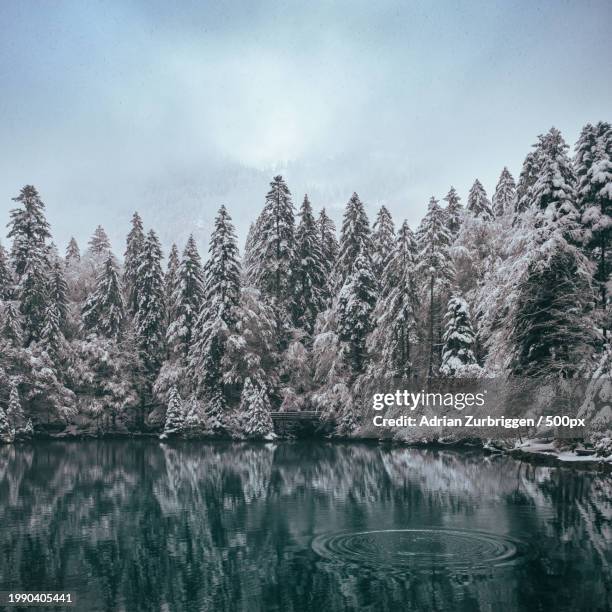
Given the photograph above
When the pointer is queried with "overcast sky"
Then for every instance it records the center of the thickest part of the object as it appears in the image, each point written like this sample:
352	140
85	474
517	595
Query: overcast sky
175	108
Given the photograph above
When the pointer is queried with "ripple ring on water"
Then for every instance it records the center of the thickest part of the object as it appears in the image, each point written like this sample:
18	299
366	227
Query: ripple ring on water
420	549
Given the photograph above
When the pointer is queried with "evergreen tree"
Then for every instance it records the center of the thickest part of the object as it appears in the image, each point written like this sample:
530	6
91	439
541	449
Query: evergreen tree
551	331
171	281
132	261
14	412
527	179
219	316
453	212
150	317
356	302
396	314
593	168
104	311
272	254
553	194
28	229
459	338
11	325
329	249
309	273
6	277
51	337
99	244
436	269
504	198
383	241
175	419
58	291
73	253
186	300
255	411
355	240
478	203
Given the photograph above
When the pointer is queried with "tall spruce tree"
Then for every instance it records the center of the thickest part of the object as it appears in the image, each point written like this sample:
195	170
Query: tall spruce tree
219	315
309	272
99	244
459	338
504	198
29	230
51	337
186	301
527	179
58	291
175	417
171	281
329	249
73	253
436	270
355	240
593	168
272	255
356	302
10	329
255	409
132	261
453	212
383	241
6	276
150	317
104	311
478	203
396	313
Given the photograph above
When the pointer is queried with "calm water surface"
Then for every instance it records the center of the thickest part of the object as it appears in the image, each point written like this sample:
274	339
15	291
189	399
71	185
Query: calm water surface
138	525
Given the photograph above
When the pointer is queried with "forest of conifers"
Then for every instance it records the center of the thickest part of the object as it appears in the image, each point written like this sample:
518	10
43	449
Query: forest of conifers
516	285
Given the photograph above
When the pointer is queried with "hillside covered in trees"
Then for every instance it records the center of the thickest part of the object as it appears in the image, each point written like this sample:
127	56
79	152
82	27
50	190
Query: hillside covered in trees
516	285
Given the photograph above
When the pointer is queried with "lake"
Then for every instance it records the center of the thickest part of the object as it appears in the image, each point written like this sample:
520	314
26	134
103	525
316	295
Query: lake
139	525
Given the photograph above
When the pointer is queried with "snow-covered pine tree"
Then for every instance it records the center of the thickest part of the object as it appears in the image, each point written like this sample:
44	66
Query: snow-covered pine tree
383	241
272	255
593	167
14	411
73	253
132	261
504	198
194	419
355	240
58	291
436	270
6	276
255	411
218	317
11	325
356	302
104	311
551	332
171	281
459	338
99	244
553	194
29	230
329	244
51	338
150	317
527	179
175	418
478	203
186	300
396	313
453	212
309	272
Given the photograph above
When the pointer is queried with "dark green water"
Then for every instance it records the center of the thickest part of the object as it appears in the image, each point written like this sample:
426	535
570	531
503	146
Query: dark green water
136	525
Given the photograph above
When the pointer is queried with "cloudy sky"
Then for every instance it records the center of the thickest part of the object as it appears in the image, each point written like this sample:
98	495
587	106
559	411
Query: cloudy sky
175	108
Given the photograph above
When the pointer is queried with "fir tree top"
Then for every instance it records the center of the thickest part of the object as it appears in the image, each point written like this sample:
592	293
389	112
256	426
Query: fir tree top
504	198
478	203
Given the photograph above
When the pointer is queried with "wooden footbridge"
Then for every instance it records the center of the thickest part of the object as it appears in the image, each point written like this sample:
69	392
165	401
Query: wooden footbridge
296	420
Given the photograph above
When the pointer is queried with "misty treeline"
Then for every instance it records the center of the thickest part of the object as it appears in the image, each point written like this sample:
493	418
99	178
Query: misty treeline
512	285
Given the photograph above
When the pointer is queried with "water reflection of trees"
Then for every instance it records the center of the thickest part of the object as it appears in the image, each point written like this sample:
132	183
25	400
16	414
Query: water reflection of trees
228	527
